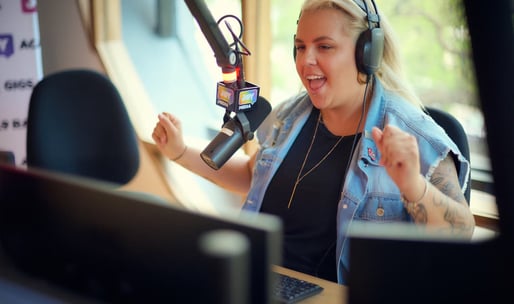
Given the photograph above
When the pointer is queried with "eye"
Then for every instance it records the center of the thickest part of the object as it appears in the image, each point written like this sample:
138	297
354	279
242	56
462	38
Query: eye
325	47
300	47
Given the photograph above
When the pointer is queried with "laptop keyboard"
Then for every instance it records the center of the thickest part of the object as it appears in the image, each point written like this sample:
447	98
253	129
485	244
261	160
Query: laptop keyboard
290	290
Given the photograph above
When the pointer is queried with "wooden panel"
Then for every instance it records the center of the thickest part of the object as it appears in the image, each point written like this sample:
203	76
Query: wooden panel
257	37
106	15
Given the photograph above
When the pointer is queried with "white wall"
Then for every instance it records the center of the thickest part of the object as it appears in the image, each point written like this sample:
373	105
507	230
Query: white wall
20	70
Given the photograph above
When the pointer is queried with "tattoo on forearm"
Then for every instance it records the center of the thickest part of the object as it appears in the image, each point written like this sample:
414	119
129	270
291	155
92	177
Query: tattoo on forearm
419	213
458	225
442	180
456	217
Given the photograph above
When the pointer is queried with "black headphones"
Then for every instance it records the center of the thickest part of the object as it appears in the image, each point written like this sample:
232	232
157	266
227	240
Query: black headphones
370	44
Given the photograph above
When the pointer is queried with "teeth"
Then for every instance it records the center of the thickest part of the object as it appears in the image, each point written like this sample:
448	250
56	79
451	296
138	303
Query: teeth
314	77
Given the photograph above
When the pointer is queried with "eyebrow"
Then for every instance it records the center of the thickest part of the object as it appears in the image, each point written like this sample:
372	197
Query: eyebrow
321	38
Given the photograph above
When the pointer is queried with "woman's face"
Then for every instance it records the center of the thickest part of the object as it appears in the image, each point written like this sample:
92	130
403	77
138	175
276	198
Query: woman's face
325	58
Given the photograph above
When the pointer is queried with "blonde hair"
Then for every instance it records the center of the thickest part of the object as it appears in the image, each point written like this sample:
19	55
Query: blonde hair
390	71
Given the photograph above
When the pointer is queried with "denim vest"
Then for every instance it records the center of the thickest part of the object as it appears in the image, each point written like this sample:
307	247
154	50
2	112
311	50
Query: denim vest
368	194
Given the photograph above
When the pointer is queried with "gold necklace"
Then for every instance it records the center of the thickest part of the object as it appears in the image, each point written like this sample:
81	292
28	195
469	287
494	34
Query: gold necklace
300	176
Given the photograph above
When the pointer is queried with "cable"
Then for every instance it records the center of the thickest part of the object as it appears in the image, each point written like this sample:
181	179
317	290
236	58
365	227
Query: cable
368	80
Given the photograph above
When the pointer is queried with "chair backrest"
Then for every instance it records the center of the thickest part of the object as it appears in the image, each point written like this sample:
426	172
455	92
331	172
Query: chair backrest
78	124
456	132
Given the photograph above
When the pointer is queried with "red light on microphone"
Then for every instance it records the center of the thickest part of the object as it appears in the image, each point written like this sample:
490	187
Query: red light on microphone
229	77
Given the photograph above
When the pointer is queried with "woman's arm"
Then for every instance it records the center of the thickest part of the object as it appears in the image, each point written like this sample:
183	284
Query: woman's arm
443	206
234	175
439	203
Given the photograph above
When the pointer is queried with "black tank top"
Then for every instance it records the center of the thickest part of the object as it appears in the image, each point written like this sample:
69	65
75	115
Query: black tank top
310	222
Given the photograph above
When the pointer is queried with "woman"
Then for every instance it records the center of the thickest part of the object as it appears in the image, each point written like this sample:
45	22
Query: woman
356	145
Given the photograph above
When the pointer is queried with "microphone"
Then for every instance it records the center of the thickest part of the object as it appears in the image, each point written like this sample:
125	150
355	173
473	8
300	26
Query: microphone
234	133
225	56
234	93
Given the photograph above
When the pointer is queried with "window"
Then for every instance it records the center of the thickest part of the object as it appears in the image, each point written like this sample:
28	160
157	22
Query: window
180	72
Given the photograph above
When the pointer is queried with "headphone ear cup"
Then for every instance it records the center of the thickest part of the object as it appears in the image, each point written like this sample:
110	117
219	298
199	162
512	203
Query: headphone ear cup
294	48
368	50
361	45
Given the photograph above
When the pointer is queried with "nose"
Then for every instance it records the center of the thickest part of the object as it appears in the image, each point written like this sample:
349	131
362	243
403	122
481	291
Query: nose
310	56
306	57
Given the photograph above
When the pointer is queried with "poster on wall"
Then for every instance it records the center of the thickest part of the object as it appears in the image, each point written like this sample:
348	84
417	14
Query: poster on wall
20	70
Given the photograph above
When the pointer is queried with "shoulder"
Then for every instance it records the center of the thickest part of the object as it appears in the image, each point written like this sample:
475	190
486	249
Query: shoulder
417	122
413	119
296	103
287	109
407	116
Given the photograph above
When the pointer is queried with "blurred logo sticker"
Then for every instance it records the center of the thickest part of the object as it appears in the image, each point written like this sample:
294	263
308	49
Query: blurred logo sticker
6	45
28	6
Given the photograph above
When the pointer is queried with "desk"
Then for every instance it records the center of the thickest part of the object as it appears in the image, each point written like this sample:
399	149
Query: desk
333	293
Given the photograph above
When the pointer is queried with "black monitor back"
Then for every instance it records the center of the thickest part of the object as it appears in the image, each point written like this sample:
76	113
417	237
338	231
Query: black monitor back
400	263
112	246
388	266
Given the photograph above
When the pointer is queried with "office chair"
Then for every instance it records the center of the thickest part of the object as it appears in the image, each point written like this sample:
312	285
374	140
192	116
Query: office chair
78	124
456	132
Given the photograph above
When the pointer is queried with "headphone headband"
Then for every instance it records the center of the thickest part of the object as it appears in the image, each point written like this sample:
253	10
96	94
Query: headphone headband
370	44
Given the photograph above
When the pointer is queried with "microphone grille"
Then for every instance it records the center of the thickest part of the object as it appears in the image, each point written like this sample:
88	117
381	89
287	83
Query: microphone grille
260	110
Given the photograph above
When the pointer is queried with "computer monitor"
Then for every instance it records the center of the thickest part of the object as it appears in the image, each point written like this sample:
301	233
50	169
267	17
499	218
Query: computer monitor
401	263
116	247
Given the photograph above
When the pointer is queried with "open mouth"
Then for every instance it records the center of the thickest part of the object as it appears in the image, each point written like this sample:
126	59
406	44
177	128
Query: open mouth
316	82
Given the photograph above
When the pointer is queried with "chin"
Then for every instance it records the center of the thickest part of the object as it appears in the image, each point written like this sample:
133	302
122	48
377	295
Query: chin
317	100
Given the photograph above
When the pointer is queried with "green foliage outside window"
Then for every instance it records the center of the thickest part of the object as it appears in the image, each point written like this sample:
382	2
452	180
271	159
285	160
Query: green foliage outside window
435	46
